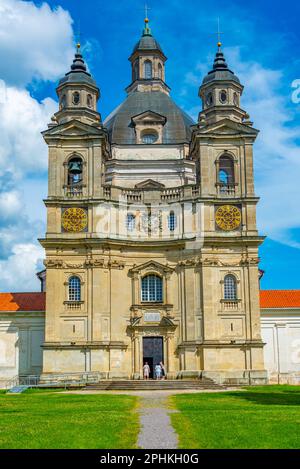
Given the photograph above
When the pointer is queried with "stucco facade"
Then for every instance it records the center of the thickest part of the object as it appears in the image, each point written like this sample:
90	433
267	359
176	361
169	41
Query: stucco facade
113	188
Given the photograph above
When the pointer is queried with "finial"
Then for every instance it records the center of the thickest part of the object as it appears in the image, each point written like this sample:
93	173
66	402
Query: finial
219	44
78	44
147	30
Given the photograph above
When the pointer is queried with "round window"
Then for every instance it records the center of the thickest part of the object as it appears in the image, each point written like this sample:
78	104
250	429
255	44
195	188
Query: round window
149	138
223	96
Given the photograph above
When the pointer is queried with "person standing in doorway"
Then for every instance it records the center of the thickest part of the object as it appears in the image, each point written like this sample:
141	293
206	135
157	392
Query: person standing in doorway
158	371
146	370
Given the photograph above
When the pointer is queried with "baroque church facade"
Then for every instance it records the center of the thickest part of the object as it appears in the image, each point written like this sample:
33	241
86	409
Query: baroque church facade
152	245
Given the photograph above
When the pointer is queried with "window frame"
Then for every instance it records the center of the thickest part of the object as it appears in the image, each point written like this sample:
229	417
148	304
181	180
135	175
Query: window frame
74	292
230	292
152	293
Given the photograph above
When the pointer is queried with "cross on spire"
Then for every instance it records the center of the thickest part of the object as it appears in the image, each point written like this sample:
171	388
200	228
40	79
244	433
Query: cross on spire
78	36
219	34
146	11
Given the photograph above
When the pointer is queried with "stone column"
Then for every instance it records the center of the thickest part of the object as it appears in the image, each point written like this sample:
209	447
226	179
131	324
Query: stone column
170	356
136	357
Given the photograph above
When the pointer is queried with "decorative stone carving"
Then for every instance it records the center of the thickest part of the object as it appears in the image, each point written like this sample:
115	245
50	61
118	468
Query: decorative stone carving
54	264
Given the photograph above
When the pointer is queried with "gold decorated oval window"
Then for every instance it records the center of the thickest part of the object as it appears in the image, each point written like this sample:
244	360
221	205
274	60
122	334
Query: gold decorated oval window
228	217
74	219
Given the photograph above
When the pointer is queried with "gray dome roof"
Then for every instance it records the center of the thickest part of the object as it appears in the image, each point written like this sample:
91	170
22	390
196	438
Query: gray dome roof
119	124
220	71
147	42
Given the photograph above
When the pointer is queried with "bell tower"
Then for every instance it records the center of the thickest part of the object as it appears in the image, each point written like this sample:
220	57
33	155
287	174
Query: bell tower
77	145
78	94
222	146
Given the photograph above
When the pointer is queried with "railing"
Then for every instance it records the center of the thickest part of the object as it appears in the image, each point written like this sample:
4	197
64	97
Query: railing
74	191
132	195
63	380
15	381
170	194
230	304
72	305
226	190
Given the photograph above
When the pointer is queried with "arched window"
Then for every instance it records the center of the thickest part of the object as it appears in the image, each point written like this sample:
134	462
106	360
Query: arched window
74	289
136	70
152	288
63	101
149	137
148	70
160	74
76	98
130	222
172	221
75	171
226	170
230	290
89	100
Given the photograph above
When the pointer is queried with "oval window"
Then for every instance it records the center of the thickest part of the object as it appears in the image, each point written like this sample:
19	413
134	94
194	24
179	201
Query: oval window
149	138
223	96
76	98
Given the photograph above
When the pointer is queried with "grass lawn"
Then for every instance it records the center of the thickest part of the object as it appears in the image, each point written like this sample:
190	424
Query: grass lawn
47	419
259	417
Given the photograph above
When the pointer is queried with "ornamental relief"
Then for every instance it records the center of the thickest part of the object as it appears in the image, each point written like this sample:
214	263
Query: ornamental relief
88	263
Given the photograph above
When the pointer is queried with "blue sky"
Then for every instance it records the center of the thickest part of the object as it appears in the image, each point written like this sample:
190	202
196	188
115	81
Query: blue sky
261	44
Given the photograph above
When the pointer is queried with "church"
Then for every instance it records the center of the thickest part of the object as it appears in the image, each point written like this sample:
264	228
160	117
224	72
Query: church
151	248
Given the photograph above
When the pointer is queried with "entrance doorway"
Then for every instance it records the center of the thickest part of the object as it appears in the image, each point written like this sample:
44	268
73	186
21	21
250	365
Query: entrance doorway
153	352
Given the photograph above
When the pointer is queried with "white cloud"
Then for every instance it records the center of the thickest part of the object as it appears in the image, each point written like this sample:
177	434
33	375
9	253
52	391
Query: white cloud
35	45
276	153
10	204
35	41
22	118
18	271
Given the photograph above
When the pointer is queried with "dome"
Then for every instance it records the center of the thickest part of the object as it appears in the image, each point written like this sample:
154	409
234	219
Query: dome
78	72
120	127
147	42
220	71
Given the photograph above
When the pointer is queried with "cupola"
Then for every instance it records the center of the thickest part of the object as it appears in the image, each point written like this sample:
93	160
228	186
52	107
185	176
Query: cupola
78	94
220	92
148	64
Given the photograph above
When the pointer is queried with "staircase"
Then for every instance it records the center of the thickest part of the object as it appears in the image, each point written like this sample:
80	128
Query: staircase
154	385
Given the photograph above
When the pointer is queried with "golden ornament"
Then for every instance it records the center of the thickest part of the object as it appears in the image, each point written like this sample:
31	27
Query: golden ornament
74	219
228	217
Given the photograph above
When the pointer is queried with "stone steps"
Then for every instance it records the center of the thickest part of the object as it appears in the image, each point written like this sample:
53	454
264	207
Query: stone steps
153	385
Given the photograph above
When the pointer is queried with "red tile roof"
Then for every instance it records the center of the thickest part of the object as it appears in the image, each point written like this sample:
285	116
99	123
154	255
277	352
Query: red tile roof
280	299
36	301
22	302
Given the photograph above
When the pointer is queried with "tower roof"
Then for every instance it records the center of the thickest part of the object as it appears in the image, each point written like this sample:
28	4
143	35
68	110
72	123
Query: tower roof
147	42
78	72
220	70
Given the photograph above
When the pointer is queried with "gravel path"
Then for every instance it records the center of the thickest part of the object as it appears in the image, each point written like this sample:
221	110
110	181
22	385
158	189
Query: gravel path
156	429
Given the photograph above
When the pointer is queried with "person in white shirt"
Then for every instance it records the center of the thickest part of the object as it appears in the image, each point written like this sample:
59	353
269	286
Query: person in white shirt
146	369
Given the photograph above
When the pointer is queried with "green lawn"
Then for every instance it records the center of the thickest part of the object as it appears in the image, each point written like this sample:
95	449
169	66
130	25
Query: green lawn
260	417
41	419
